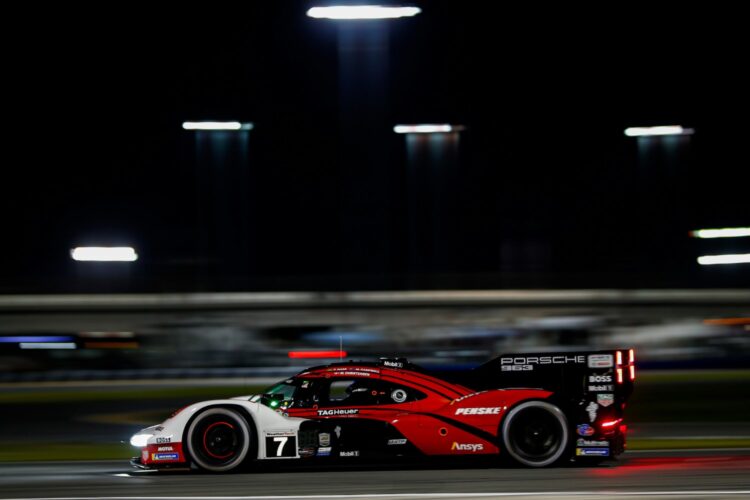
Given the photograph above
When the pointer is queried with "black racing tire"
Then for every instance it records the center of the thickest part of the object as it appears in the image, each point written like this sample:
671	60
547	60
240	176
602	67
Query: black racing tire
535	434
218	439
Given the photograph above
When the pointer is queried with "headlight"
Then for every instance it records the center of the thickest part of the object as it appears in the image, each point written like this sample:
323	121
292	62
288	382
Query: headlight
140	440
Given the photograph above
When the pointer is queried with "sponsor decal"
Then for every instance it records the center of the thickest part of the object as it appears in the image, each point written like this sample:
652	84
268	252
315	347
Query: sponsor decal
352	453
589	442
337	430
330	413
591	409
159	428
601	361
306	452
162	440
280	433
399	395
478	411
605	399
592	452
324	451
165	456
601	388
324	439
392	442
527	363
392	364
165	448
584	430
472	447
144	455
599	379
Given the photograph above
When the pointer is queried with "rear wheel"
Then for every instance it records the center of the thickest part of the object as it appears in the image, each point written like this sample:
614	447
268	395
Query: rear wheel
218	439
535	433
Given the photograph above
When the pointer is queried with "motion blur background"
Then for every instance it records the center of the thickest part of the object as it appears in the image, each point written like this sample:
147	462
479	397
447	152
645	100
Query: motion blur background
535	223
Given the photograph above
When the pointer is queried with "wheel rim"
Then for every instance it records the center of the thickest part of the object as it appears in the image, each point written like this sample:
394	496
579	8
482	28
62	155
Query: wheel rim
218	440
535	433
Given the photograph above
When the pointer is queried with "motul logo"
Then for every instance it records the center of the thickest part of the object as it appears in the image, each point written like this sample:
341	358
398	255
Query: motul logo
165	448
467	447
477	411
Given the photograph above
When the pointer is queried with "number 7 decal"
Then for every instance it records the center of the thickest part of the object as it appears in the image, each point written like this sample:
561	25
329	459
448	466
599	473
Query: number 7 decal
281	446
282	441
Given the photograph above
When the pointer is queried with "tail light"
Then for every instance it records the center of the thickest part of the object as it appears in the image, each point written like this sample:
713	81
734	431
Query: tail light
630	366
611	423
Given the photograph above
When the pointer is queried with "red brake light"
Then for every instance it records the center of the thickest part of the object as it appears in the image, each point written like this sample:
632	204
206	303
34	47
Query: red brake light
632	372
631	356
611	423
619	375
619	358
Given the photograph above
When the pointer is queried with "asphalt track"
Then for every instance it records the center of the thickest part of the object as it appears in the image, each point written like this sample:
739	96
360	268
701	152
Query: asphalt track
663	475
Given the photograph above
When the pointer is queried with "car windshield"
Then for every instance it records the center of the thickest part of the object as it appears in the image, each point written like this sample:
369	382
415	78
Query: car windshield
284	391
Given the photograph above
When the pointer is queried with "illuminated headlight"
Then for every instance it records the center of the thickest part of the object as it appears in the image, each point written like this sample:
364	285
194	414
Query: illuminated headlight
140	440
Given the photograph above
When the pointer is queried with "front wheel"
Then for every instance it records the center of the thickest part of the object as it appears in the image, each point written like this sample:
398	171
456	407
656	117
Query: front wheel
218	439
535	433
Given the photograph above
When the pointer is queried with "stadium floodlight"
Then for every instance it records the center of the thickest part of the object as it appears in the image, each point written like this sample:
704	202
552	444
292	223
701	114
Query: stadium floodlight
427	128
104	254
737	258
217	126
360	12
659	130
725	232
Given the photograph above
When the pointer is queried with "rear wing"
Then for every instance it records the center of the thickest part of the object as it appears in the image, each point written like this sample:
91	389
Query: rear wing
571	375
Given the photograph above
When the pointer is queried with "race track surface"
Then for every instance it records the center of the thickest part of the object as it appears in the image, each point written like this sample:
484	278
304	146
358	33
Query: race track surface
699	474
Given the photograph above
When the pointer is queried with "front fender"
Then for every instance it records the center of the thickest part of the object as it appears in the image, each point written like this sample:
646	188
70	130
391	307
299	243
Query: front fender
163	443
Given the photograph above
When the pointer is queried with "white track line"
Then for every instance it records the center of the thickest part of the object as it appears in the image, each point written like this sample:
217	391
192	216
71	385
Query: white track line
684	450
605	493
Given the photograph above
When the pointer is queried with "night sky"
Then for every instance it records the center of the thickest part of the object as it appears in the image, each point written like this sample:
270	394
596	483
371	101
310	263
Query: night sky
542	188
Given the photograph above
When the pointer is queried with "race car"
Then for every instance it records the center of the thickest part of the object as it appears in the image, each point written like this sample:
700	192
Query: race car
536	410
